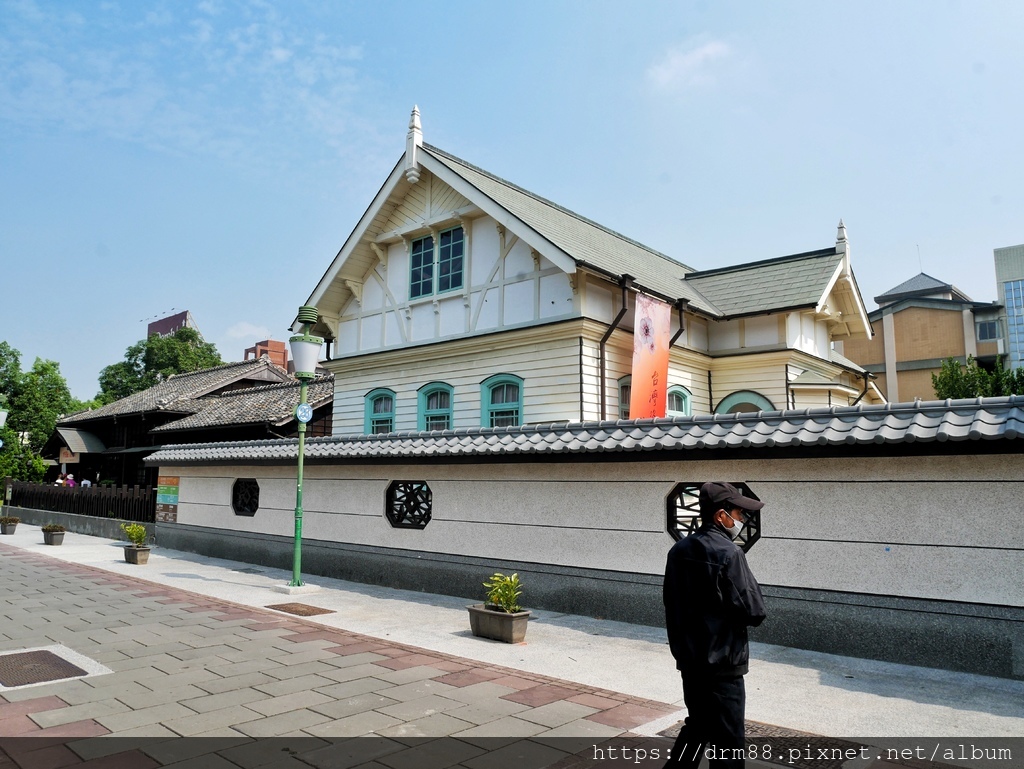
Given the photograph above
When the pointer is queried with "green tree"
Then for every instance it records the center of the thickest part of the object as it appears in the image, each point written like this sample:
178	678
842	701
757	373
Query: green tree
40	399
957	380
152	360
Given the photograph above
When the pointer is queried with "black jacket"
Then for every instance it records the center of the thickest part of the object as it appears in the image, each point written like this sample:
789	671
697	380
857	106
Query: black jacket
710	599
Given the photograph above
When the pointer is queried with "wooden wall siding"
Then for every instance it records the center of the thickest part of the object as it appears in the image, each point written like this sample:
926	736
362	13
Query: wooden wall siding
505	287
923	334
917	384
764	374
548	366
867	352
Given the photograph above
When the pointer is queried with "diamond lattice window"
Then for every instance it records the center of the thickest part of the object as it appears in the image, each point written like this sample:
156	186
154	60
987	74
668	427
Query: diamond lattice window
683	513
245	496
408	504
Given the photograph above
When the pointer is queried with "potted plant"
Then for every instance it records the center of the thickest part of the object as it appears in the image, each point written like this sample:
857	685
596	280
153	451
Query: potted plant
53	534
137	551
501	618
8	524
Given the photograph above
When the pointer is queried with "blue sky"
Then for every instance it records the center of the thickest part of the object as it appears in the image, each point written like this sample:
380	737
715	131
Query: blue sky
213	156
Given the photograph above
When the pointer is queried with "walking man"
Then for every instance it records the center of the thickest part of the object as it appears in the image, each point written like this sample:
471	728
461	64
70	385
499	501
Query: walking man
711	598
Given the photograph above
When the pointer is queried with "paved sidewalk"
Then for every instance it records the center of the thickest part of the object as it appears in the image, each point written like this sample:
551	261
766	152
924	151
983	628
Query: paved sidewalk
212	661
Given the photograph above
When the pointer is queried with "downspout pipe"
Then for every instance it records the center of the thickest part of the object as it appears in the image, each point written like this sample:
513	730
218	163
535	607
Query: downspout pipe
681	305
863	392
624	282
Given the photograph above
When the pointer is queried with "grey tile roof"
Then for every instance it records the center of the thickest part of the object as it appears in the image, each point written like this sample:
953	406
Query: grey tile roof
987	419
845	362
267	404
176	394
774	284
585	241
917	284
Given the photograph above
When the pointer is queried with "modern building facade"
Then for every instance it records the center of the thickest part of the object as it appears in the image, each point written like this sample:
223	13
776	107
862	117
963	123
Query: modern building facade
1010	286
919	324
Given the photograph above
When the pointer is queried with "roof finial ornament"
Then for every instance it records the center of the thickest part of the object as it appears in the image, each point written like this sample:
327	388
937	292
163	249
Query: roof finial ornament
413	142
841	235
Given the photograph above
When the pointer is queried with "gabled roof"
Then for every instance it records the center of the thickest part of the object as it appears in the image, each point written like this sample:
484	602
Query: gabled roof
788	282
177	393
272	404
980	419
921	285
587	243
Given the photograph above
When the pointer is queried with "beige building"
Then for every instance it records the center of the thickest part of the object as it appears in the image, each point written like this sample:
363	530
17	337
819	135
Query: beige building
919	324
461	300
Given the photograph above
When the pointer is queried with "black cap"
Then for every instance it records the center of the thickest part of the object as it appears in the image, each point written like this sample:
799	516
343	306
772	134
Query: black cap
718	496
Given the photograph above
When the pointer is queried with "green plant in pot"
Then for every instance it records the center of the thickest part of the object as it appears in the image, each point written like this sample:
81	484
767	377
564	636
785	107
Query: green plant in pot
501	618
137	551
53	534
8	524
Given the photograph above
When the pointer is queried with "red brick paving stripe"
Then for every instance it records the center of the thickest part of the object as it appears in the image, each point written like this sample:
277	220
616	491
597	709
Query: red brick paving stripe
357	648
541	695
49	757
450	666
468	677
24	707
625	716
18	726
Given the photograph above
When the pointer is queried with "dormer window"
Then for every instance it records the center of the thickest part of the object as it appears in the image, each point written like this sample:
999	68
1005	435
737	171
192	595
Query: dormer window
437	269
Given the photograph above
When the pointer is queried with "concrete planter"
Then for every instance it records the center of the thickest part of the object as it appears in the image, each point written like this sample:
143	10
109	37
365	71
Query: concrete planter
137	555
53	537
8	528
498	625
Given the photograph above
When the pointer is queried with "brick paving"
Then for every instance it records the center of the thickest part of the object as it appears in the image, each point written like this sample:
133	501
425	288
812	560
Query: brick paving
184	665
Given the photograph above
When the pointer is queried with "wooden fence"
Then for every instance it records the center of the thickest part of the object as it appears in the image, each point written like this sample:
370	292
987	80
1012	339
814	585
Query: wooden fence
129	503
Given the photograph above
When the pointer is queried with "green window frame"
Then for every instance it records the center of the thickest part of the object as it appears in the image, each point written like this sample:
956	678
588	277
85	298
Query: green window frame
379	415
421	268
744	401
680	402
451	259
437	270
625	390
435	406
501	401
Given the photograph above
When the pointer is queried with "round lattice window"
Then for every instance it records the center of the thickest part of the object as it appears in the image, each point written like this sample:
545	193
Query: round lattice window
408	504
683	513
245	496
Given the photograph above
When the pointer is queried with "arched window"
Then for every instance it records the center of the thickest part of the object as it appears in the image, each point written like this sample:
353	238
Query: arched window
679	402
434	410
501	401
380	411
625	390
744	401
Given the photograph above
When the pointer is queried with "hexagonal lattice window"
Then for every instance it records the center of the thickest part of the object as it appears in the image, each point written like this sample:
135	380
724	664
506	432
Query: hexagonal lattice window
408	504
245	496
683	513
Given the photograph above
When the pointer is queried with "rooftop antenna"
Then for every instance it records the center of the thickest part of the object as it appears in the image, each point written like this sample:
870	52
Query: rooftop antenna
920	267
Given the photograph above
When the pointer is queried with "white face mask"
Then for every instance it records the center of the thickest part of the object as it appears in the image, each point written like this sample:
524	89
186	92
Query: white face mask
735	529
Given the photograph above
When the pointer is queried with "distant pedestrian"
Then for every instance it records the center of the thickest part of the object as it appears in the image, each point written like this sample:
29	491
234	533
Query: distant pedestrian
70	480
60	480
711	598
86	483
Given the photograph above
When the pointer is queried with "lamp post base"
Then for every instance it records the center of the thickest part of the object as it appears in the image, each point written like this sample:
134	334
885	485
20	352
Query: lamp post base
296	590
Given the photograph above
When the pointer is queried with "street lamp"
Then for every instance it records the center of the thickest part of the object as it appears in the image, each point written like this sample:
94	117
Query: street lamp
305	355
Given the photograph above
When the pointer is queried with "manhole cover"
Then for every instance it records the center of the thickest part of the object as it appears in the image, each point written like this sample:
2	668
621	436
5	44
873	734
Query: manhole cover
300	609
37	667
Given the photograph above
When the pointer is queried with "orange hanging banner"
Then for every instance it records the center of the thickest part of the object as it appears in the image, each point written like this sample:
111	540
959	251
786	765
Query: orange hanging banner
652	325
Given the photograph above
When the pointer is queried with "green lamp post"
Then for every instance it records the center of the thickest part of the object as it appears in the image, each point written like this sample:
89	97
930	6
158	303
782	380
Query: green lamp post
305	355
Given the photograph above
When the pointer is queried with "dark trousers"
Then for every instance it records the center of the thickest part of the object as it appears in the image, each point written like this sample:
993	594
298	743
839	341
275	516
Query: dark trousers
714	721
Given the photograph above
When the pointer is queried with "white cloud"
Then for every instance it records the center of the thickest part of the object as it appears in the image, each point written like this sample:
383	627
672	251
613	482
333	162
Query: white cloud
687	66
